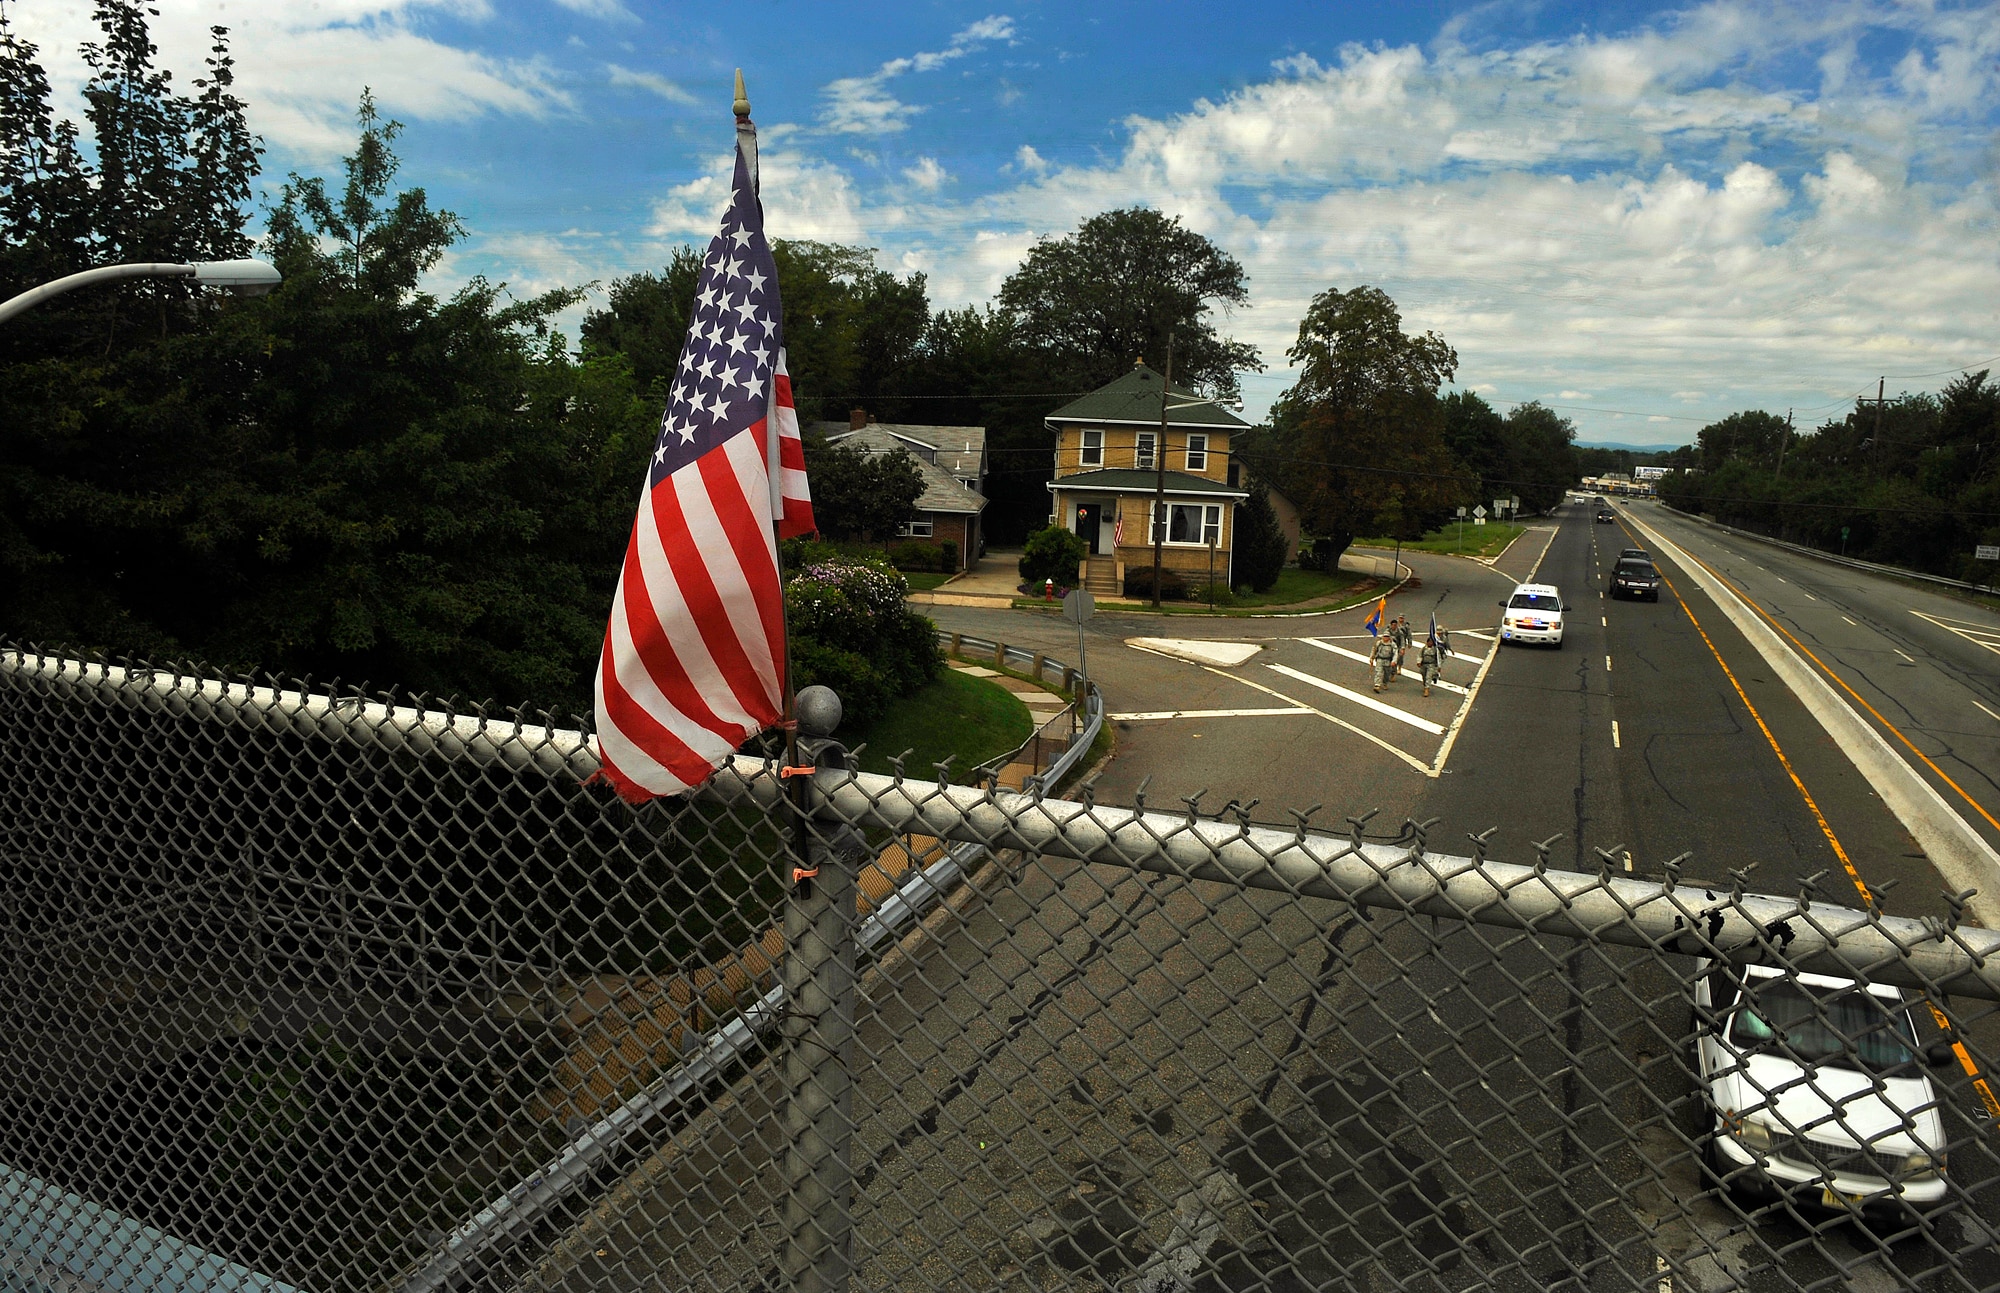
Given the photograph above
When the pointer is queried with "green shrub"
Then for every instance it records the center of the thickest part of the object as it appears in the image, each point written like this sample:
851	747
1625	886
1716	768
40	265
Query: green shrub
851	631
948	557
1139	584
913	555
1052	553
1260	543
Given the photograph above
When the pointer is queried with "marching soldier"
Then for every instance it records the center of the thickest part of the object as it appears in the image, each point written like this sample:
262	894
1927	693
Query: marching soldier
1402	637
1431	661
1383	658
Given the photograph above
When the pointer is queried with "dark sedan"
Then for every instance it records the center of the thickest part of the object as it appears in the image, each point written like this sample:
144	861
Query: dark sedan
1633	577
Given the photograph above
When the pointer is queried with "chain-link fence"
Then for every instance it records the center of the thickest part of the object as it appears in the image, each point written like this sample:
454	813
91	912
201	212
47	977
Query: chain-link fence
314	990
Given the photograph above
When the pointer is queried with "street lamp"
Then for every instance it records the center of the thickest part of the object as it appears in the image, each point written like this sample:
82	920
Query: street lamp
242	277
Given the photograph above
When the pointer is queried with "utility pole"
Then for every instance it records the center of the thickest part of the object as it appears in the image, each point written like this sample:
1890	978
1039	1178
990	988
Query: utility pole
1784	437
1878	401
1160	471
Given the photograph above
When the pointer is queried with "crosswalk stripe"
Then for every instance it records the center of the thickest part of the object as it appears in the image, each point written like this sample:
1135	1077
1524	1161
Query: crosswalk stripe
1356	655
1367	701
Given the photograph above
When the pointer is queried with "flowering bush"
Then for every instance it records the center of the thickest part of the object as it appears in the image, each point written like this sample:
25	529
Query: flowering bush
852	632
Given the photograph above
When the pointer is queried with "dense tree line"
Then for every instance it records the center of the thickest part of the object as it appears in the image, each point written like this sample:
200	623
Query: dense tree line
1914	481
349	476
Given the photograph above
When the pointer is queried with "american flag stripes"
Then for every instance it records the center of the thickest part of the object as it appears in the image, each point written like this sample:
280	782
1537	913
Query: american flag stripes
694	653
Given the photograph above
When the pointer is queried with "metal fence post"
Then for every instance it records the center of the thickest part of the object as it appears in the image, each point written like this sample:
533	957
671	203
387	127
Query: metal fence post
819	980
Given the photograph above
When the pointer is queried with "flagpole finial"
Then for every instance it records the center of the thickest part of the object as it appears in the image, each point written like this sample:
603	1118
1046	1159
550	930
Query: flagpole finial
742	104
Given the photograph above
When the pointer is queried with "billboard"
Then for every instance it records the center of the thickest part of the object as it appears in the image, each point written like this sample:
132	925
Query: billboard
1648	473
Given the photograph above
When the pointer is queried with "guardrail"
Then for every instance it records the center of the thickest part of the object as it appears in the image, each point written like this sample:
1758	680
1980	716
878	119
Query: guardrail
1087	709
1852	563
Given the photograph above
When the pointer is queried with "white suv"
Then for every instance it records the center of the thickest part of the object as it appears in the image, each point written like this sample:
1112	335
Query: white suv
1533	614
1818	1090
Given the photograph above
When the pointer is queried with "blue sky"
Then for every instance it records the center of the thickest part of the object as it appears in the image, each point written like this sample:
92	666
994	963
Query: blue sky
1648	216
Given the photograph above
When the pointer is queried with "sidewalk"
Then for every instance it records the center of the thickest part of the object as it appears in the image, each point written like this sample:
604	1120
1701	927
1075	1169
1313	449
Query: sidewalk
992	581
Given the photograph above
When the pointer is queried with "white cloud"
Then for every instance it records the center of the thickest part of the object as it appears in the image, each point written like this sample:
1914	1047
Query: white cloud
1573	395
926	174
653	81
864	105
1029	160
610	10
301	68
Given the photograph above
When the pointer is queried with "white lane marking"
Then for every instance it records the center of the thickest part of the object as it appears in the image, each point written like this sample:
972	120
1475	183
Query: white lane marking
1458	720
1628	861
1780	578
1152	715
1601	620
1973	632
1368	702
1607	664
1614	735
1356	655
1808	596
1899	651
1363	733
1850	621
1475	633
1990	712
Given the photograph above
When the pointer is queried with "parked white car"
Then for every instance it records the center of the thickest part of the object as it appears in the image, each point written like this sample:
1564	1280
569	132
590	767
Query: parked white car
1818	1090
1533	613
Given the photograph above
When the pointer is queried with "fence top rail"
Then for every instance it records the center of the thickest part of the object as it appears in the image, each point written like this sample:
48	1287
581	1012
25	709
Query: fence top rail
509	742
1685	917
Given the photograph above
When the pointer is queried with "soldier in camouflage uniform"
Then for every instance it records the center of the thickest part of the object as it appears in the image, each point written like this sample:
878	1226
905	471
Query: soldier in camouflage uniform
1431	660
1384	659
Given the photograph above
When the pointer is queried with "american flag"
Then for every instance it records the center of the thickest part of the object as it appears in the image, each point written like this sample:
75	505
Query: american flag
694	654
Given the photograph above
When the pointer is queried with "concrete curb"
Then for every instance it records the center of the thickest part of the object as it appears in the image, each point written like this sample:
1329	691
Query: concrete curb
1962	857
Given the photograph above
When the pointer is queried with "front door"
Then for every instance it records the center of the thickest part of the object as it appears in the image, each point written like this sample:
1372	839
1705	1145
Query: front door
1088	517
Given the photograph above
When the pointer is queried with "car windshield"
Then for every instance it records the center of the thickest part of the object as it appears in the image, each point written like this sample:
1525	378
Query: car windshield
1535	602
1635	567
1848	1025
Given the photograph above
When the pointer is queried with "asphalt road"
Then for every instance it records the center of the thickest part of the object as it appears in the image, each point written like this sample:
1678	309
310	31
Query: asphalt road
1082	1077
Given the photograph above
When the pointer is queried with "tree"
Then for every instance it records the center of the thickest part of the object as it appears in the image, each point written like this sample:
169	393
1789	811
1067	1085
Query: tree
861	495
1361	431
1261	546
646	320
1541	458
1086	306
1752	436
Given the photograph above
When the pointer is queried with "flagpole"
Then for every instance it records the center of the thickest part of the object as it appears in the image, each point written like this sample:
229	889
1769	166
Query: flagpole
818	970
746	142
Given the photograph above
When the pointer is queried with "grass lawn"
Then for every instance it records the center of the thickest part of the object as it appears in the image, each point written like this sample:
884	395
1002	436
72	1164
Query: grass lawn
967	718
1296	585
922	581
1293	587
1486	540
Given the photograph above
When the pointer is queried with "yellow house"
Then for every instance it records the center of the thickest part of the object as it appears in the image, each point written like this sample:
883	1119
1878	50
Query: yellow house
1108	478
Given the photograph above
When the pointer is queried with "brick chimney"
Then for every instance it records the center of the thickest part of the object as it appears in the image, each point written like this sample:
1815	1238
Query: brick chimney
857	418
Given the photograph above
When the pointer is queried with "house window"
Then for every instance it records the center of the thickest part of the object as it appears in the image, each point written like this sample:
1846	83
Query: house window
1191	524
915	529
1145	458
1197	453
1092	454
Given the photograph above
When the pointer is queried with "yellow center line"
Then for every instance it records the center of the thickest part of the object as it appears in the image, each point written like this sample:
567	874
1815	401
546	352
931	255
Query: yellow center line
1965	1059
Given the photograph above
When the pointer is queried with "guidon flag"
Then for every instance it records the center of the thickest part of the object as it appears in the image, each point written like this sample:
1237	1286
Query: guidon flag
1374	624
694	655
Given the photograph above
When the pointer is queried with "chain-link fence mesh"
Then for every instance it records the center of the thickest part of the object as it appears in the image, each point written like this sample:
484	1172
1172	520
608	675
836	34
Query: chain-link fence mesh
306	989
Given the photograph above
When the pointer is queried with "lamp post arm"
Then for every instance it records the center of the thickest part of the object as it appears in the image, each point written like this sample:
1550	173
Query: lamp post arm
103	274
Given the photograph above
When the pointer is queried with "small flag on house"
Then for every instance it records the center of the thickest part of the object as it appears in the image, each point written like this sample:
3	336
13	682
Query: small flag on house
694	655
1118	531
1374	624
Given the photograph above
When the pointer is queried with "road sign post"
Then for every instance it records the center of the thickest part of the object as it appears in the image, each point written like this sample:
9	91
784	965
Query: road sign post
1078	606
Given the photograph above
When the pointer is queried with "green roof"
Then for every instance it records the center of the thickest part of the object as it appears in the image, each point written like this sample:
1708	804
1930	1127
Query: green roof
1135	398
1141	480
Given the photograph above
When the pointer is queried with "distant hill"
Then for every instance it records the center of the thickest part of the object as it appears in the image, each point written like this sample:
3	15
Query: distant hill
1629	448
